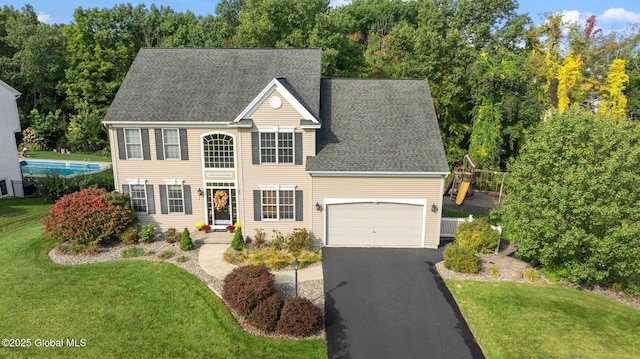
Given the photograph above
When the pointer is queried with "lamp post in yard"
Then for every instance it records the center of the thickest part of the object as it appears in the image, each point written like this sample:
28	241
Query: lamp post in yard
296	265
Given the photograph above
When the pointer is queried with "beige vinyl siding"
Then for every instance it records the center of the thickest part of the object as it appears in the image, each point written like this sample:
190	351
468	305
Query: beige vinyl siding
253	176
379	187
156	172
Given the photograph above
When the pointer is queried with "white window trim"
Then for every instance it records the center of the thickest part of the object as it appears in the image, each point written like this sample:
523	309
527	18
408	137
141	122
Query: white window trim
235	159
143	183
164	144
126	145
277	130
174	182
277	188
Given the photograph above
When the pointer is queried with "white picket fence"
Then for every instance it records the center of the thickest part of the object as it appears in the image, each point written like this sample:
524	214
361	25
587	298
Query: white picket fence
449	225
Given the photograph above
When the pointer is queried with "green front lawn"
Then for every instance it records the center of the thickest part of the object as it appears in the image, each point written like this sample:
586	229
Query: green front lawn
518	320
50	155
121	308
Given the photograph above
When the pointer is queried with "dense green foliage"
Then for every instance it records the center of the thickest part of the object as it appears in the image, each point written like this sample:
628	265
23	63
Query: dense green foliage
52	187
238	241
492	72
186	244
573	198
114	303
461	259
477	235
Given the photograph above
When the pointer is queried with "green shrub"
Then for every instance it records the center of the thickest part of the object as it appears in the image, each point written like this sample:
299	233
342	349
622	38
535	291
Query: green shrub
186	244
493	271
172	235
132	252
147	233
477	235
266	314
182	259
279	242
129	236
299	318
247	286
531	274
461	259
298	240
238	241
294	242
53	187
166	254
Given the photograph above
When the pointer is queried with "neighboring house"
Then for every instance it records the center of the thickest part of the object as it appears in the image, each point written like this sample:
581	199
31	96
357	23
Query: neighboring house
10	174
256	135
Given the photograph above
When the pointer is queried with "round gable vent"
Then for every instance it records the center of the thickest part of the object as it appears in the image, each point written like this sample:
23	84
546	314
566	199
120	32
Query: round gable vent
275	102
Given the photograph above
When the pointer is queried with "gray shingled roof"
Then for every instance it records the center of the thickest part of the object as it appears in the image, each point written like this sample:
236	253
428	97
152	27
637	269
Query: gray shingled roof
203	85
378	126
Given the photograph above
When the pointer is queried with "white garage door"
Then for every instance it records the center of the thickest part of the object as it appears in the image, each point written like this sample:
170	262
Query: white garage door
374	224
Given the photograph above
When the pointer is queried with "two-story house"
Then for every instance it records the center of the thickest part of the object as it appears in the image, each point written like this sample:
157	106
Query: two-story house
10	174
257	136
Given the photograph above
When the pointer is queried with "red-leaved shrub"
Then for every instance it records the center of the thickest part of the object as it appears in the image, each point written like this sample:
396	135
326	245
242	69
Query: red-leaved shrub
266	314
246	286
88	216
299	318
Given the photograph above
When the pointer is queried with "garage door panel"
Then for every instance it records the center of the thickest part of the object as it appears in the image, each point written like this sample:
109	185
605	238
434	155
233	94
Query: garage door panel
374	224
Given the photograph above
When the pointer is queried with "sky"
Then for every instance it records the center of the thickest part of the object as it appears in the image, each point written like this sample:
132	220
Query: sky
610	15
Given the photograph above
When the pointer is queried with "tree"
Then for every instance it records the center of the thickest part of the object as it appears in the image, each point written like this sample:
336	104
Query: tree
614	102
49	127
278	23
572	198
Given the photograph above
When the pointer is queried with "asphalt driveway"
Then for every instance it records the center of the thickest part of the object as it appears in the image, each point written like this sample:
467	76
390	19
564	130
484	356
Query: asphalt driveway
391	303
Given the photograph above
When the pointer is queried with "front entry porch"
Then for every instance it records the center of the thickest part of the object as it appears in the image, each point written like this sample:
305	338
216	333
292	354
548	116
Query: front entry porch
213	237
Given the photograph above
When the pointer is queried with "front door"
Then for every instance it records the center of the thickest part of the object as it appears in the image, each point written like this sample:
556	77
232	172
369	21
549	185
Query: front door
222	206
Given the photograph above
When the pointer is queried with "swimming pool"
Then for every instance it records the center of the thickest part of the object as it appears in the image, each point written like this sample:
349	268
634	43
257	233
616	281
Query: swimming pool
62	168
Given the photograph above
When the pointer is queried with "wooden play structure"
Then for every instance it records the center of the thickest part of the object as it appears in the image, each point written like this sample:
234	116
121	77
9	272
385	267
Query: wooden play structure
463	184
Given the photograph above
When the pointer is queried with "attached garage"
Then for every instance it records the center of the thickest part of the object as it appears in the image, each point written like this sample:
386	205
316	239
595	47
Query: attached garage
375	223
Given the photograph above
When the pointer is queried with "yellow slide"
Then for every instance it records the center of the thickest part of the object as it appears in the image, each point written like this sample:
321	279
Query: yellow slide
462	192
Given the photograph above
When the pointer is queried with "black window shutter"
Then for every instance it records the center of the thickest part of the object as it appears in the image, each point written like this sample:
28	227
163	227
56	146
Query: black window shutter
255	148
122	152
146	150
184	147
164	208
151	202
257	205
187	199
298	147
159	144
299	205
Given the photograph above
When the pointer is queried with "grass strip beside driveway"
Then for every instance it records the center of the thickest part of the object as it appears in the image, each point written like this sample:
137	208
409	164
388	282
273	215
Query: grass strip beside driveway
519	320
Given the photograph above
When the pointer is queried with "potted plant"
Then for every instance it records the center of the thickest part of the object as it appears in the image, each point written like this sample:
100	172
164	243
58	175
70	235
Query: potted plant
205	228
230	228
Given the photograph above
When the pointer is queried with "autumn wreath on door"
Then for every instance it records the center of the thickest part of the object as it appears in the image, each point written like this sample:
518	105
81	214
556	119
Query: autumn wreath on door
220	199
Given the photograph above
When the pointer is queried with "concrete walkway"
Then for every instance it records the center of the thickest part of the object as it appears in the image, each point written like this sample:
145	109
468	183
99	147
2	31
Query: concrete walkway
210	259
